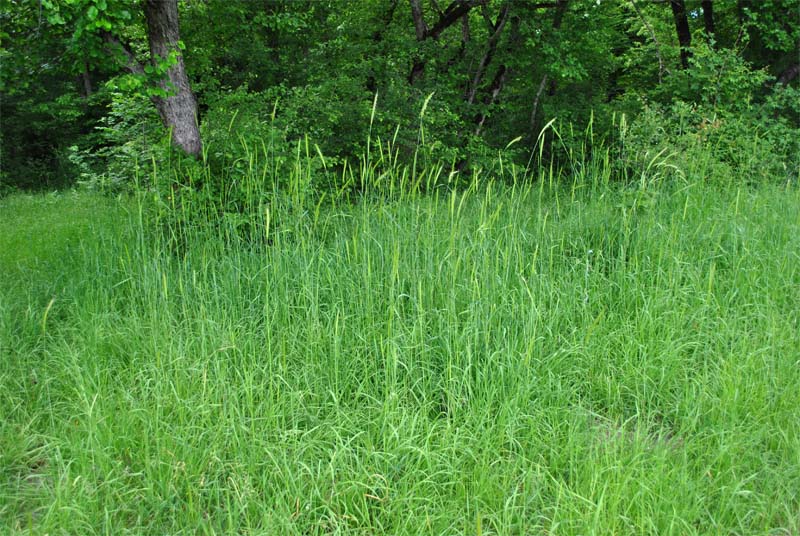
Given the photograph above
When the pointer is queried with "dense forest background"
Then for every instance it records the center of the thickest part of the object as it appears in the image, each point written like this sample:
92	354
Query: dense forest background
80	80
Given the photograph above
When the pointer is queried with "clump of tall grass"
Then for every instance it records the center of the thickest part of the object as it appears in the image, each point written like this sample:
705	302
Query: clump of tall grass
407	350
256	190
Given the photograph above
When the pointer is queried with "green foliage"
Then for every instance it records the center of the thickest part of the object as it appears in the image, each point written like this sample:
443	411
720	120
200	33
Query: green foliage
712	145
719	79
324	63
716	121
775	24
130	143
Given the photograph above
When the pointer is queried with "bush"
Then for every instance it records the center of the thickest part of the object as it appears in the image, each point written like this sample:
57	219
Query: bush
130	142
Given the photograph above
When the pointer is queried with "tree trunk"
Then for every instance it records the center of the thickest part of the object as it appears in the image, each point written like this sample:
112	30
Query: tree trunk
708	16
421	31
178	111
535	109
502	73
497	29
86	81
684	34
494	90
420	27
789	74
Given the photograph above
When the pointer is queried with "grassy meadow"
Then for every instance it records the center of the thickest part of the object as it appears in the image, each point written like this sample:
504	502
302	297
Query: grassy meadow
537	358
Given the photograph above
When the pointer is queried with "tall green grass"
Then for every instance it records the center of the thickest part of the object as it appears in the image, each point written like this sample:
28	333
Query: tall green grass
550	353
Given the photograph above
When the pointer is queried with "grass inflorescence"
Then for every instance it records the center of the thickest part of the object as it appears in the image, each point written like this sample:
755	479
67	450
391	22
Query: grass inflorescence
549	354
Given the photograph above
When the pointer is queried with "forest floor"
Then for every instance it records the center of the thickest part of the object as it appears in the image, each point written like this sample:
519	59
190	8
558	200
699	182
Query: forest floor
497	361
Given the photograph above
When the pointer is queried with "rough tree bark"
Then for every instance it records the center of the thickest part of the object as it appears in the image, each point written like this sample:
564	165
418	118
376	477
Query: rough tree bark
178	111
684	34
420	27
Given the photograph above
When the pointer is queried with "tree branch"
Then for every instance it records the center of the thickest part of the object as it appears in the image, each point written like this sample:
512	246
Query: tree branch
113	45
451	14
465	33
490	50
487	17
500	77
655	41
495	89
558	18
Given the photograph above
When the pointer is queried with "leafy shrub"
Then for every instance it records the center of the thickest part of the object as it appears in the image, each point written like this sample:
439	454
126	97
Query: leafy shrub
720	120
130	143
716	145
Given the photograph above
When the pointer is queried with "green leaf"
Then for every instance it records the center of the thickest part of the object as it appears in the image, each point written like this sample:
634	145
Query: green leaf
92	13
158	92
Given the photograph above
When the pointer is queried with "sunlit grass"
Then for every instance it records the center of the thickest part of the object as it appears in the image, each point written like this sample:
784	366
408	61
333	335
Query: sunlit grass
538	358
